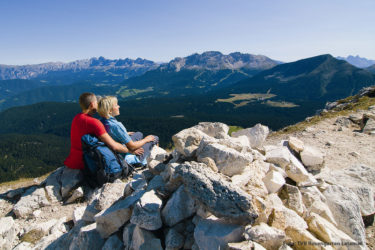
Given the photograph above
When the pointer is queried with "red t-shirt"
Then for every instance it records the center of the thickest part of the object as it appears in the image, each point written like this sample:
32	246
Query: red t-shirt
82	124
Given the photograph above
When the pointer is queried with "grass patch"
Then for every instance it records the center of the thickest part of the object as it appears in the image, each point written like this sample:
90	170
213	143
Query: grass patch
123	92
281	104
234	129
246	98
362	103
32	236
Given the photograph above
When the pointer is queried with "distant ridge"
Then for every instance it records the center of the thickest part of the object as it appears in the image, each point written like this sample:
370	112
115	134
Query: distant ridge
358	61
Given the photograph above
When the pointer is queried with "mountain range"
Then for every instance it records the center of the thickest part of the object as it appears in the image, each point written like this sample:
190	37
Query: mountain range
358	61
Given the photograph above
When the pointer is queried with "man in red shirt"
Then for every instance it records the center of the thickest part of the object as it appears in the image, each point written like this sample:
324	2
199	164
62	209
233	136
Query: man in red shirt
83	123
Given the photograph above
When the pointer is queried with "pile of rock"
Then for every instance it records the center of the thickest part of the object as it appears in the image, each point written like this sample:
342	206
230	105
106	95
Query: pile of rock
214	191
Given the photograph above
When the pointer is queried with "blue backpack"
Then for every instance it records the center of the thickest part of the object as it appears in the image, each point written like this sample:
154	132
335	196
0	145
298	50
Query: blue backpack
102	165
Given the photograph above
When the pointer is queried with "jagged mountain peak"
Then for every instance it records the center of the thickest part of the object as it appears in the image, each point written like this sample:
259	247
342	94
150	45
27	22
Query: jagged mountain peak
360	62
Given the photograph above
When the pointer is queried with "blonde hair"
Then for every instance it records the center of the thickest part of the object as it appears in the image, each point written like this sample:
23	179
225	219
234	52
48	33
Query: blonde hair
85	99
105	105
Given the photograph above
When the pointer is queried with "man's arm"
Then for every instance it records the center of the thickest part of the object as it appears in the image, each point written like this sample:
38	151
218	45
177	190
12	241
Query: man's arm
115	146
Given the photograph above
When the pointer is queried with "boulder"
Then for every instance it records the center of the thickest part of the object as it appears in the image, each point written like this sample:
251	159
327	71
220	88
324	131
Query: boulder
268	237
110	193
157	154
297	172
53	185
156	183
273	181
358	178
217	130
228	160
343	121
87	238
315	202
70	178
220	197
78	213
241	140
146	212
210	163
187	141
312	158
110	220
346	210
90	212
256	135
303	239
11	194
144	240
113	243
127	235
289	217
32	199
174	240
244	245
278	155
7	232
369	126
295	144
23	246
251	178
357	119
179	207
78	193
292	198
326	231
214	233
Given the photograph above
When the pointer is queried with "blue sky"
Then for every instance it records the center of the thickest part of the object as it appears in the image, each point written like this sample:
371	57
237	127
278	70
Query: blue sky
36	31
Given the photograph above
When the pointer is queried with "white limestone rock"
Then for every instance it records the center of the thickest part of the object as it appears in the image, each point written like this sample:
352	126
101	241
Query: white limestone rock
113	243
210	163
256	135
369	126
303	239
34	198
228	160
110	193
187	141
53	185
78	213
217	130
214	233
292	199
146	212
110	220
7	232
296	144
78	193
70	178
179	207
278	155
345	208
268	237
273	181
127	235
312	158
174	240
144	240
87	238
157	154
297	172
241	140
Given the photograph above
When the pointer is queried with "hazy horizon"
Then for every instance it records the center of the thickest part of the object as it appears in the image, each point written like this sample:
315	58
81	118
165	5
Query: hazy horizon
42	31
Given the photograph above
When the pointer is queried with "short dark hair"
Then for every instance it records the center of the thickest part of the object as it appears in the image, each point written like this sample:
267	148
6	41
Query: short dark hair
85	99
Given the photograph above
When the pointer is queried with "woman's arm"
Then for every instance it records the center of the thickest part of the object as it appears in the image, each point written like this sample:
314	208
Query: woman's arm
115	146
133	145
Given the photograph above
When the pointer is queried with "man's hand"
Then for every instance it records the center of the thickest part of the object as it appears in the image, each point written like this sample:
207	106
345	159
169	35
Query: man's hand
149	138
138	151
115	146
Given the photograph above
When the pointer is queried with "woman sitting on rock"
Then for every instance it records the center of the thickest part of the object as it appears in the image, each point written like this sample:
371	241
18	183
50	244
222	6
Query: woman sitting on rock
108	108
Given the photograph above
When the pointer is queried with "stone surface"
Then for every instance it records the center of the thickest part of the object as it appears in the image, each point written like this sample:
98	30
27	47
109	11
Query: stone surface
358	178
110	193
244	245
292	198
53	185
15	192
303	239
297	172
113	243
70	178
90	212
187	141
78	193
174	240
217	130
256	135
7	232
156	183
127	235
220	197
213	233
144	240
268	237
326	231
291	218
345	208
179	207
158	154
273	181
295	144
78	213
110	220
315	202
312	158
241	140
146	212
32	199
210	163
87	238
278	155
228	161
370	126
